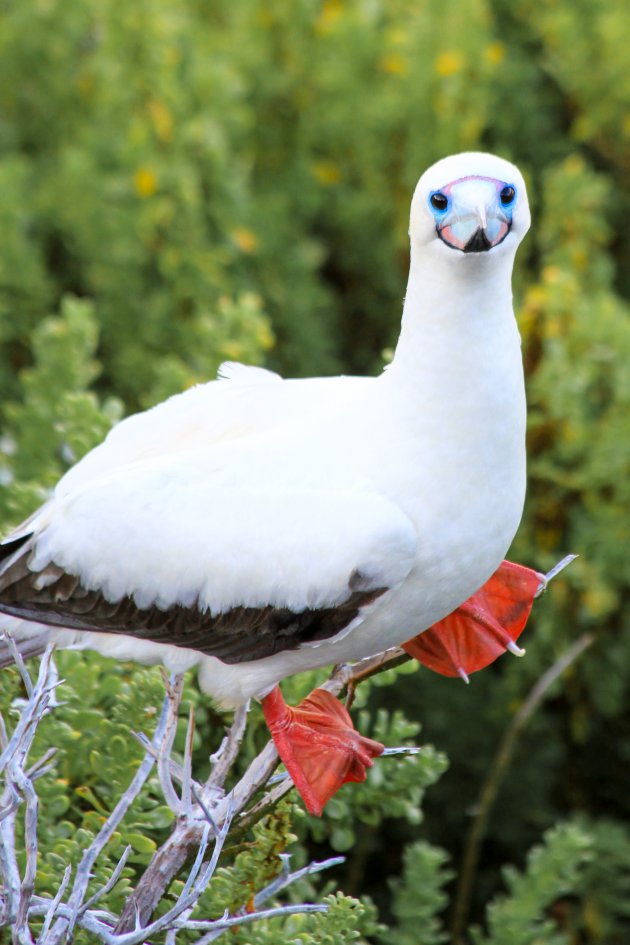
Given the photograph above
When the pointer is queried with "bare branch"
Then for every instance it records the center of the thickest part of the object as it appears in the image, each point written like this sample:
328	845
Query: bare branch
227	754
54	903
186	781
286	878
204	814
223	925
109	885
174	689
62	929
30	837
18	660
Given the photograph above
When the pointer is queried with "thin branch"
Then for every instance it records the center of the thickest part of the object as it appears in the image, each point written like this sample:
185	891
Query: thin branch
187	779
174	689
494	779
286	878
19	661
52	909
62	929
22	738
223	925
111	882
348	675
170	858
204	813
30	840
228	752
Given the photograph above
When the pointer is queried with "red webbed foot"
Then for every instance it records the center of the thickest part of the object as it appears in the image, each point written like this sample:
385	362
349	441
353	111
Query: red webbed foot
318	745
485	625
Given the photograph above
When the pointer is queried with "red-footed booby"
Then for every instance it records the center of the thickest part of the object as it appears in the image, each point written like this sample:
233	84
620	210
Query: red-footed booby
257	527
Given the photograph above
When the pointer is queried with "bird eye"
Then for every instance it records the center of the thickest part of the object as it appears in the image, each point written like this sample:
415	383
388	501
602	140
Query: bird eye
507	195
439	201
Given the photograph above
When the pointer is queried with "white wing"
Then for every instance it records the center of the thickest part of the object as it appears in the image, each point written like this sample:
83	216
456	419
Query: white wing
247	401
169	533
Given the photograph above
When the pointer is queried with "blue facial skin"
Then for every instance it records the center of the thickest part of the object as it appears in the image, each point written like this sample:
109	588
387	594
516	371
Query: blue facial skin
439	213
508	200
456	221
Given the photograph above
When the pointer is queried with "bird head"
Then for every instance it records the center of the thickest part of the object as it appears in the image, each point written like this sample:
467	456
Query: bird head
469	204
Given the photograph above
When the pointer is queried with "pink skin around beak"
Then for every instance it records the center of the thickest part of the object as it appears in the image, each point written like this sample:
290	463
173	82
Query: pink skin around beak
475	220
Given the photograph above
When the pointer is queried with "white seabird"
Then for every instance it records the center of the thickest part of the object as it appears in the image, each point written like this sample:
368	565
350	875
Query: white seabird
257	527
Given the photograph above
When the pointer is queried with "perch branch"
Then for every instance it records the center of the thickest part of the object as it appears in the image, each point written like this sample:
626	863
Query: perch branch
188	831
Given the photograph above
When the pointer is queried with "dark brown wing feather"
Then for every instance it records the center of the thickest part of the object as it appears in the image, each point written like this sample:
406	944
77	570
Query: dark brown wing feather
56	598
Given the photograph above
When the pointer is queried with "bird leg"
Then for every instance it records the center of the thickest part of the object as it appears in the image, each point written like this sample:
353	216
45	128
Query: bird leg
485	625
318	745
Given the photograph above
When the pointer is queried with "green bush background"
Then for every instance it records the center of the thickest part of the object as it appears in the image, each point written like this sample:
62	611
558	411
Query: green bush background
182	183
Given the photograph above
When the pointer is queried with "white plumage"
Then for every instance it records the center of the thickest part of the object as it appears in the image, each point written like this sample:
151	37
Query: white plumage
257	492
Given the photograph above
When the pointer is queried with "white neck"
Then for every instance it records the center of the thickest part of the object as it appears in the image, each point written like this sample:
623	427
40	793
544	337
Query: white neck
455	316
456	384
458	364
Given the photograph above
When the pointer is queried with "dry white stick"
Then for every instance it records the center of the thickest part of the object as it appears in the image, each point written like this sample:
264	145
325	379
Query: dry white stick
286	878
220	926
203	813
109	885
227	754
174	688
63	929
52	909
186	804
18	788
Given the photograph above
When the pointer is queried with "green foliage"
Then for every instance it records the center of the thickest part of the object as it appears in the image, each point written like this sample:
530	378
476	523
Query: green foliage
255	867
346	921
605	907
552	872
419	897
394	786
187	183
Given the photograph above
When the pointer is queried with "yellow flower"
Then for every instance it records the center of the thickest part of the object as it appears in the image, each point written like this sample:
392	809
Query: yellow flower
449	63
326	173
331	11
162	119
145	182
551	274
245	239
495	53
264	336
394	63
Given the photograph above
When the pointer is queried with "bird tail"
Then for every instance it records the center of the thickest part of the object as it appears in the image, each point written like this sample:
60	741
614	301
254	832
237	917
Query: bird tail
28	639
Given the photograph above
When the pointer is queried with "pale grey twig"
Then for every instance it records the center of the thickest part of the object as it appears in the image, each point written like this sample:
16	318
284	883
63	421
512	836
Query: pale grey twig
41	766
201	852
176	771
111	882
22	738
19	661
9	866
4	738
219	926
225	757
54	903
186	802
82	877
140	933
19	787
27	887
174	688
286	878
